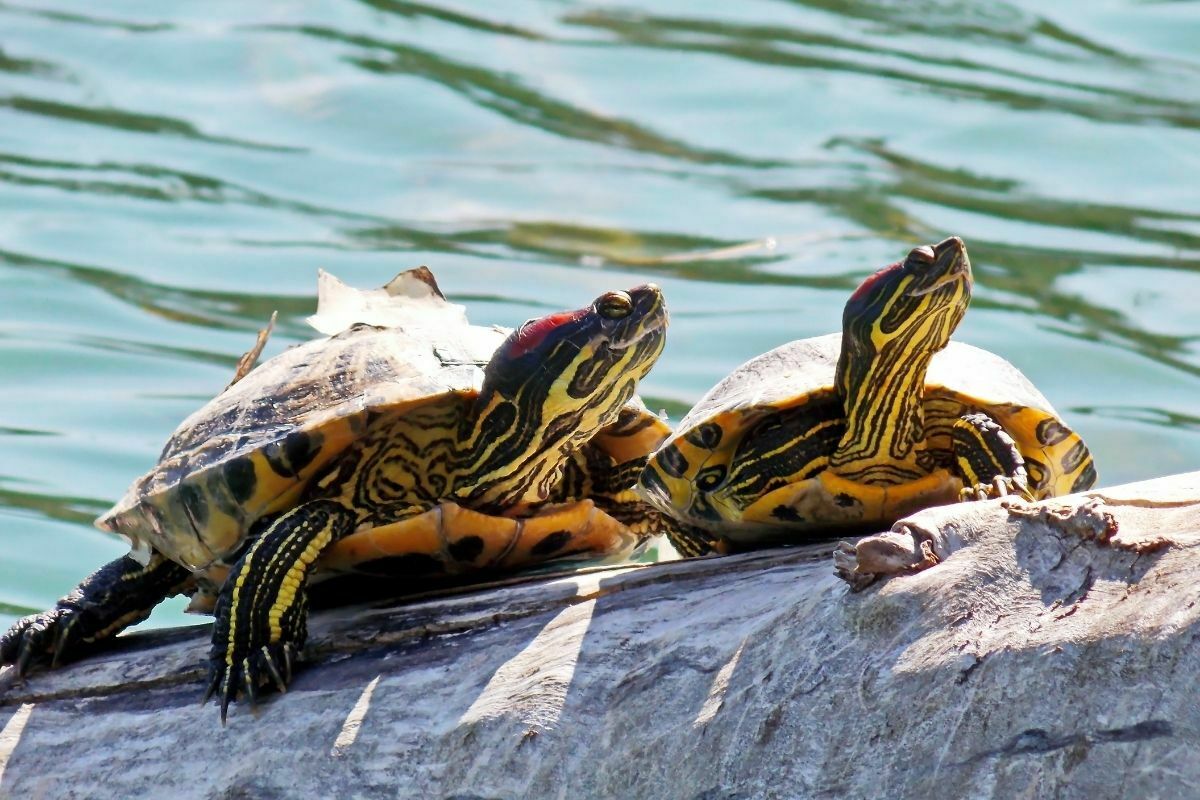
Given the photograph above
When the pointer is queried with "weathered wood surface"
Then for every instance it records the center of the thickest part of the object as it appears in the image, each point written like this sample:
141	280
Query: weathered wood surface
1031	662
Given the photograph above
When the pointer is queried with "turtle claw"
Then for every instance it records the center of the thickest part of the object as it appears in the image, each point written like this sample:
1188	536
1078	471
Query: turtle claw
276	678
38	639
248	682
23	660
61	643
245	676
1000	486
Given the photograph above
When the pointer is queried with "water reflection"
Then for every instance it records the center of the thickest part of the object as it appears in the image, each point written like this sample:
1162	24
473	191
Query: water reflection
756	159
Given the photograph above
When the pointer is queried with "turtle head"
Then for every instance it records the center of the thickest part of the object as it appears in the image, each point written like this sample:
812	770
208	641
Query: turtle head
552	385
571	358
905	310
892	326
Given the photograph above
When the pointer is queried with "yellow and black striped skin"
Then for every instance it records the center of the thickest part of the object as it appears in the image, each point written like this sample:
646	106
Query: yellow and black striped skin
119	594
983	451
450	449
854	430
891	328
260	616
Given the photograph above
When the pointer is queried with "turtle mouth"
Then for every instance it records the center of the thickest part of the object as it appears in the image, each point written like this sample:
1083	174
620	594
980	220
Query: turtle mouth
949	258
957	275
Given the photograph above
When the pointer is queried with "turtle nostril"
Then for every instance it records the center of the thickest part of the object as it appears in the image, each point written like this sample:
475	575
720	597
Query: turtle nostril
924	254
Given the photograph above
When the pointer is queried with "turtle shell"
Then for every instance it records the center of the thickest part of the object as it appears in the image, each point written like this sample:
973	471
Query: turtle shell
960	379
250	451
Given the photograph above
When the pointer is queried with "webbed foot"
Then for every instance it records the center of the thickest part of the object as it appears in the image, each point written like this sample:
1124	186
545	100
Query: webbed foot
259	632
262	610
112	598
39	639
989	462
242	672
1000	486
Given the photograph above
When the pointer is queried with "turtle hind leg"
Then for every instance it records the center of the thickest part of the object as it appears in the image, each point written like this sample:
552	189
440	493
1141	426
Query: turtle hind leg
119	594
618	478
691	541
612	487
262	611
987	459
645	521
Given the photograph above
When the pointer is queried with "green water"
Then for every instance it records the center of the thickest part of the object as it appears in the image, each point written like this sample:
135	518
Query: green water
170	173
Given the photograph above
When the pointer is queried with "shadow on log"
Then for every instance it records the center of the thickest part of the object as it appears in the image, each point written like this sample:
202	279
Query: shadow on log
1034	660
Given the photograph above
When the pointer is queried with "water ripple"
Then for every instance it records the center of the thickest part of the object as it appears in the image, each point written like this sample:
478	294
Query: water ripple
778	46
756	159
130	121
520	103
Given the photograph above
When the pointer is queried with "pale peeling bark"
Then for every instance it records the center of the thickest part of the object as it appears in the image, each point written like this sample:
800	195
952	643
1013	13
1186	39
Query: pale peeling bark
1046	653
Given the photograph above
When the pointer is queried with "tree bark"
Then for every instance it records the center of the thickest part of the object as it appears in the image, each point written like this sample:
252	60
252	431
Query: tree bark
1044	654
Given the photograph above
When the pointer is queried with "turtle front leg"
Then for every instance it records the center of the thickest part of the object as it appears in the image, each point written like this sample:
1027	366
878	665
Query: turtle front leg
262	611
988	460
112	598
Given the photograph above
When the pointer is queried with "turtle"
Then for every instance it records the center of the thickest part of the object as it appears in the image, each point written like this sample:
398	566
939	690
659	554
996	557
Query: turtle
419	446
853	430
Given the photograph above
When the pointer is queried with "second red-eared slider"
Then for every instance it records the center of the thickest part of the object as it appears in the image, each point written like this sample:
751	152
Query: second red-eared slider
424	446
858	428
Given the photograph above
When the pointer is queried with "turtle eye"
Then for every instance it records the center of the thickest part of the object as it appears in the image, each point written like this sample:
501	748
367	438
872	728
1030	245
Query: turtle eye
922	255
614	305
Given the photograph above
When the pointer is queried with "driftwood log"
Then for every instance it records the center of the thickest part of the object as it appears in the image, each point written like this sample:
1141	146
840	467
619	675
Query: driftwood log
1046	654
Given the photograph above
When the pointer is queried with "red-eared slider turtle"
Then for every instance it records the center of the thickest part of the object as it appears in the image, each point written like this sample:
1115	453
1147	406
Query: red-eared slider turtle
854	430
424	446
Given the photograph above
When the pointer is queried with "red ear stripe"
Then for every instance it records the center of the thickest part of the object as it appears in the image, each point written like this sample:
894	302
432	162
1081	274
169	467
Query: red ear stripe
532	334
865	288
